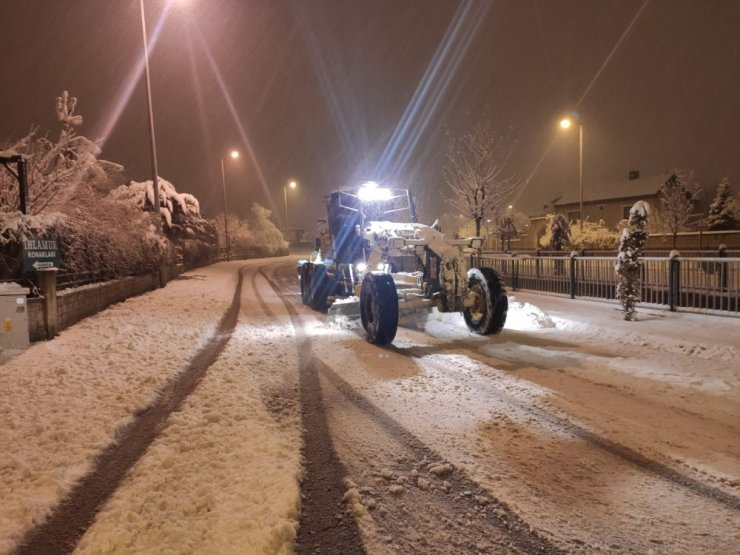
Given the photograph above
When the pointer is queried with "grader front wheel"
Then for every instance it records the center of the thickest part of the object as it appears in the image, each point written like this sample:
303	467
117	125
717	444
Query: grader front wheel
486	304
379	308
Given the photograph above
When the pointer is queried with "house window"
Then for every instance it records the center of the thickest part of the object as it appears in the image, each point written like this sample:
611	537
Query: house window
574	215
626	212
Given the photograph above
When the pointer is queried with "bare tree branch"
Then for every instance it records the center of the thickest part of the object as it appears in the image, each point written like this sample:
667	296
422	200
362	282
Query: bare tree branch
477	173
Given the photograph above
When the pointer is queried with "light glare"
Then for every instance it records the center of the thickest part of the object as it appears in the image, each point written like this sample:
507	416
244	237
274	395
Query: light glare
234	154
565	123
374	193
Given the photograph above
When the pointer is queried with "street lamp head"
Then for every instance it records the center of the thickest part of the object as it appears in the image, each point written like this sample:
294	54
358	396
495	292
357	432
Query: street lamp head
565	123
234	154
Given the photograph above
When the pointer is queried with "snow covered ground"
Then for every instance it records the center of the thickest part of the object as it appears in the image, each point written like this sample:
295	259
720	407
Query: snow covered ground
223	472
226	468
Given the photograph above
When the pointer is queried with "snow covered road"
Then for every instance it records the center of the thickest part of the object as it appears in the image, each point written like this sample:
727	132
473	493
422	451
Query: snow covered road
571	431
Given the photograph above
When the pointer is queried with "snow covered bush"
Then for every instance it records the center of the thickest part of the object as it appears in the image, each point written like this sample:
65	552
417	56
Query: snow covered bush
267	237
101	232
723	212
174	207
631	244
254	235
241	237
194	238
593	236
111	238
95	235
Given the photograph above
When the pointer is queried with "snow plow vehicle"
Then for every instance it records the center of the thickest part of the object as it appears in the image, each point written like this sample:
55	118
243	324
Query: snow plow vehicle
374	260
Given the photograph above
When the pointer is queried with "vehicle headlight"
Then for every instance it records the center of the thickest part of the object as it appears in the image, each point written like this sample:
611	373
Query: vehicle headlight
369	191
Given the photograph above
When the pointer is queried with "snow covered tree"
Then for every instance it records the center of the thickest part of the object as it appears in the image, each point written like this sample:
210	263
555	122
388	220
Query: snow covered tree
477	174
56	170
241	238
677	197
172	205
631	244
266	236
557	233
723	212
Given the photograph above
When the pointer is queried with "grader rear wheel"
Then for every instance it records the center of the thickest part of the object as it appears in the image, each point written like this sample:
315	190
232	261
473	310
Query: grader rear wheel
488	304
322	285
379	308
306	284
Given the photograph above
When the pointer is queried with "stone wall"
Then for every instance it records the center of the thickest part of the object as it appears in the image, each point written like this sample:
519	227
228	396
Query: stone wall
75	304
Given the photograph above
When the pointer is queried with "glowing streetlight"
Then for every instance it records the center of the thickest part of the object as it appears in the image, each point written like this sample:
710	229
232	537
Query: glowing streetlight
292	185
566	123
234	155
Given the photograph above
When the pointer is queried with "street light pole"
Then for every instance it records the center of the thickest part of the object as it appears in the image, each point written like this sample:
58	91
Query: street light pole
292	185
226	223
580	174
565	123
152	142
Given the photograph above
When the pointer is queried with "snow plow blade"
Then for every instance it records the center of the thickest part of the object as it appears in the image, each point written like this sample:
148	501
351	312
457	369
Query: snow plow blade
343	310
345	313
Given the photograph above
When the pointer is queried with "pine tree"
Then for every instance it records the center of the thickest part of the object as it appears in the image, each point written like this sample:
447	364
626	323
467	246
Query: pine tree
628	264
723	210
559	233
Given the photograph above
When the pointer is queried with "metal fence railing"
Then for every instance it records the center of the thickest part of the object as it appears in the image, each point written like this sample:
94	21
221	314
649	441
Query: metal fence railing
701	284
655	252
67	280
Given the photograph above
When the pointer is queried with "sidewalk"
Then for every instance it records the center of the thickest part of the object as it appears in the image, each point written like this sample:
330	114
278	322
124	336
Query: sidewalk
702	335
202	482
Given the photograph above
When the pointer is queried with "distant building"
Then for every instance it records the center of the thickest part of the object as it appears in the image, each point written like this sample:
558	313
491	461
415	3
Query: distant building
609	201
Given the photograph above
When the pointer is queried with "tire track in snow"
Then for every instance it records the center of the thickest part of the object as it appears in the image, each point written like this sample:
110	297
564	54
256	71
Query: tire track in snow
616	449
505	529
515	533
71	518
324	526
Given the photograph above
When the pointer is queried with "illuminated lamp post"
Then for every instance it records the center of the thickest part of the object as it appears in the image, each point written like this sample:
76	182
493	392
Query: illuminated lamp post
292	185
566	123
150	114
234	155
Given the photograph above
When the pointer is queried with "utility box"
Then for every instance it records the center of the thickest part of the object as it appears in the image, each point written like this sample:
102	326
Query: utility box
13	320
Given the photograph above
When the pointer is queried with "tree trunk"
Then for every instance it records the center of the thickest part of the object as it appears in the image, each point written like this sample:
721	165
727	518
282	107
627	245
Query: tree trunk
477	226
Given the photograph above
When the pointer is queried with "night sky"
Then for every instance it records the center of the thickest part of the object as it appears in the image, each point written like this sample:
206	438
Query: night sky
331	92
